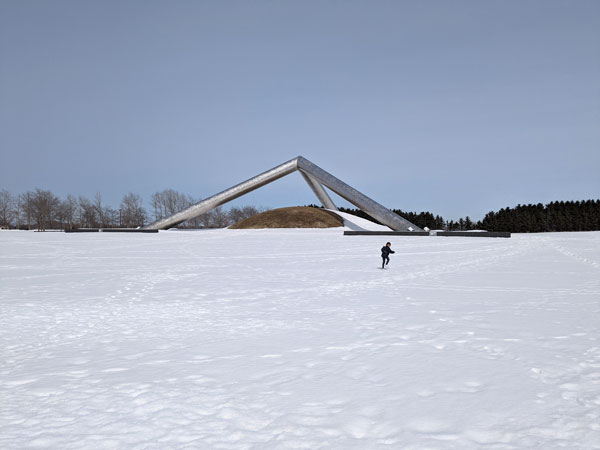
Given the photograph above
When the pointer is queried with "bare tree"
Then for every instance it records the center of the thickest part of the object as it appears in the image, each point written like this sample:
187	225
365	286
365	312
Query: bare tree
157	206
7	209
65	212
237	214
111	217
68	210
26	207
87	213
132	212
220	218
205	220
99	210
45	204
18	212
169	202
60	215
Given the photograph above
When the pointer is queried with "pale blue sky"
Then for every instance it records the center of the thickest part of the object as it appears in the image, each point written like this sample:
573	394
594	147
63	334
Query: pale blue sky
456	107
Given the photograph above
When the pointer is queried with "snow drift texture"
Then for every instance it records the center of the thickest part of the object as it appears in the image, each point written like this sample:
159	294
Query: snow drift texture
295	339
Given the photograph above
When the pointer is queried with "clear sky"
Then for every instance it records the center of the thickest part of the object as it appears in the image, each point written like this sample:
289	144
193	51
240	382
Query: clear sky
456	107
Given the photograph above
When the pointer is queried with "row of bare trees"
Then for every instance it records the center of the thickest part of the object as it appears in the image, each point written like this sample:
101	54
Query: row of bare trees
168	202
42	210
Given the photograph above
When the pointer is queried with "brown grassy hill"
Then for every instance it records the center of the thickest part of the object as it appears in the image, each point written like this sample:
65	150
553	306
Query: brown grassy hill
294	217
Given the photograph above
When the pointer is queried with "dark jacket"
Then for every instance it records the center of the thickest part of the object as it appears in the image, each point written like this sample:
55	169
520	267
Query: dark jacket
385	251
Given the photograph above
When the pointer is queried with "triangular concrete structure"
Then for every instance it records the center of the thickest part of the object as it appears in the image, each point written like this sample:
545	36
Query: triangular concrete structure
316	179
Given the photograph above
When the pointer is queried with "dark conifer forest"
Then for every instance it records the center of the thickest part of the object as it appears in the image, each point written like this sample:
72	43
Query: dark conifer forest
555	216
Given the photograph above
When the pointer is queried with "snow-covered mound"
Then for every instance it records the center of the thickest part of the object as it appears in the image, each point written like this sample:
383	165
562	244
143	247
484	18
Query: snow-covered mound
275	339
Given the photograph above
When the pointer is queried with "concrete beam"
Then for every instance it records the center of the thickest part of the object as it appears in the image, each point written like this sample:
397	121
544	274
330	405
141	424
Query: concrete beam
321	193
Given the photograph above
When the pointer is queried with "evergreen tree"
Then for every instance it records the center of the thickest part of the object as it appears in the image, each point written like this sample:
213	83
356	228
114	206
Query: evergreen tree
468	223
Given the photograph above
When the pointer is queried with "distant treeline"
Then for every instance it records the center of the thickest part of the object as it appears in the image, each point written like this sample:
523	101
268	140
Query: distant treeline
555	216
41	209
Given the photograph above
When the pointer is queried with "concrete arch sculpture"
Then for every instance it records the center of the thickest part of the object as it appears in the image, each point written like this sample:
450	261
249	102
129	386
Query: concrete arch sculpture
315	177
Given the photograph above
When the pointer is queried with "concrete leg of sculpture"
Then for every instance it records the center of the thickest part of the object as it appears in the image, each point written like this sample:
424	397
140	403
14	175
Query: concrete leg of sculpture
321	193
371	207
226	196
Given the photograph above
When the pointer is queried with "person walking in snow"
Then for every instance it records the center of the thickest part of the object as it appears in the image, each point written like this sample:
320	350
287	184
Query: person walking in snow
385	254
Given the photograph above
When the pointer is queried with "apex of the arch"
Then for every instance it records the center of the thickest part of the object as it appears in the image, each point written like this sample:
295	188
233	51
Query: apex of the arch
302	162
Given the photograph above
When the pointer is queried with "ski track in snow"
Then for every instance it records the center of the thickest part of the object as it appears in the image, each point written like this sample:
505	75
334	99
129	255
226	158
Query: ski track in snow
291	339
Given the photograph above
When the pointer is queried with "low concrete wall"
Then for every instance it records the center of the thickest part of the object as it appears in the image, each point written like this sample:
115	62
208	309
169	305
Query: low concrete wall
491	234
488	234
110	230
386	233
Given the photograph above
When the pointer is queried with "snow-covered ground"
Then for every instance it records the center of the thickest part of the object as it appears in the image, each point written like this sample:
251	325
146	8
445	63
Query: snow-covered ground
352	222
276	339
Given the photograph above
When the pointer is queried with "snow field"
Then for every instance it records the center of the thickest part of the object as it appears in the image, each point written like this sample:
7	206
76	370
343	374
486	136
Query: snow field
282	339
